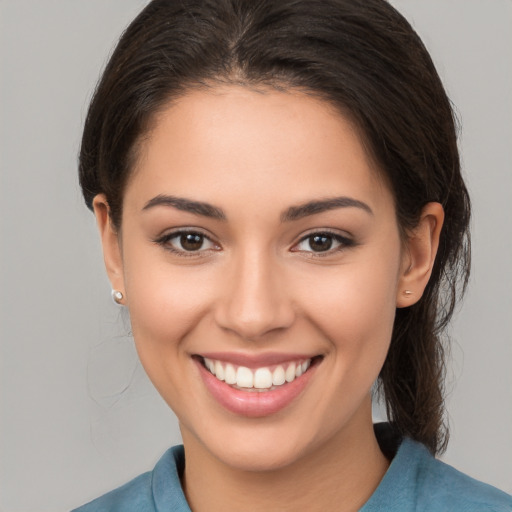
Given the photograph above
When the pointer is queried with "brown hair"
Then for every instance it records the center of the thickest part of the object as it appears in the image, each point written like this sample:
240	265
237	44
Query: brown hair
363	57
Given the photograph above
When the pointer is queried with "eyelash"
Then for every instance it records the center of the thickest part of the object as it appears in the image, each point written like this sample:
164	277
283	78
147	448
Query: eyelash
343	241
165	240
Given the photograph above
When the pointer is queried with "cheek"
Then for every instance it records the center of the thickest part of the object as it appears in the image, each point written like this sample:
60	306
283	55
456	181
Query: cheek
354	307
165	302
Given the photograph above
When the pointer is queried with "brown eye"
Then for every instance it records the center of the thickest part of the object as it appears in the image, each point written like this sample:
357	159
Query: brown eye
191	241
320	242
323	242
187	243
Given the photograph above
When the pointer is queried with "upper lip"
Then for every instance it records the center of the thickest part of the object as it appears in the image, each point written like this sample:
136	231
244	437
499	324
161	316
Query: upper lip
256	360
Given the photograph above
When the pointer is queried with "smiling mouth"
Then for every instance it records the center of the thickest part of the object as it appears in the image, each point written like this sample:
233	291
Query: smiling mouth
265	378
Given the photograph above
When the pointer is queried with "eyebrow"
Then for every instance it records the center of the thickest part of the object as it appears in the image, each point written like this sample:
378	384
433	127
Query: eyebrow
186	205
314	207
291	214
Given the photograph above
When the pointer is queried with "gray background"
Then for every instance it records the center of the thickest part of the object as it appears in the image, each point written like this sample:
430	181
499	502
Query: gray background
68	431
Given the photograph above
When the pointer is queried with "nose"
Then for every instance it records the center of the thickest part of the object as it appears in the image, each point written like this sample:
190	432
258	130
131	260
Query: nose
255	300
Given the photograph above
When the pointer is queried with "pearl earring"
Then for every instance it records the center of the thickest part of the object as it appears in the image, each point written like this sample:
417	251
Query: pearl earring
407	293
117	296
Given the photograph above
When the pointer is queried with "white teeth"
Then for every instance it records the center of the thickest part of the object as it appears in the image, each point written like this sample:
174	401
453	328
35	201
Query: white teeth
219	370
230	374
260	378
244	377
209	364
290	373
278	377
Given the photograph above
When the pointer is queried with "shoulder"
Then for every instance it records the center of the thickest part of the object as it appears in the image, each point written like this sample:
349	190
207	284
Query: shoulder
144	493
134	496
442	484
417	481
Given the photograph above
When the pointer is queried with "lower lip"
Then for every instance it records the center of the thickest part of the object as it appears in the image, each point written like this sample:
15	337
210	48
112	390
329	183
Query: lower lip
254	404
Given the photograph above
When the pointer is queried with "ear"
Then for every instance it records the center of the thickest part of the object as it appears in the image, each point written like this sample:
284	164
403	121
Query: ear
419	255
110	242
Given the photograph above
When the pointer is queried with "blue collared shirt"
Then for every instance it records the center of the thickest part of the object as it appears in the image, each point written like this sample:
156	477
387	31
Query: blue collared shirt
415	481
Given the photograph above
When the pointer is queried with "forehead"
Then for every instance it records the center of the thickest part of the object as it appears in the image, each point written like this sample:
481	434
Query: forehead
234	141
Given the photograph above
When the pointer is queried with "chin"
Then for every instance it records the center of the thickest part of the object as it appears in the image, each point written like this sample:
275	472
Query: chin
263	445
260	455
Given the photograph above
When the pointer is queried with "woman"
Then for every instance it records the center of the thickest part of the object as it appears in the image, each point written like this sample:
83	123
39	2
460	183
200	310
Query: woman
278	192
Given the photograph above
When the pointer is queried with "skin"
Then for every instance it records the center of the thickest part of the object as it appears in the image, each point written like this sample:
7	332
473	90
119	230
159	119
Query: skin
258	287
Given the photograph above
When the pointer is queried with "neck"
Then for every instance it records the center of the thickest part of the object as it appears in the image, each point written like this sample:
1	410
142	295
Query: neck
339	476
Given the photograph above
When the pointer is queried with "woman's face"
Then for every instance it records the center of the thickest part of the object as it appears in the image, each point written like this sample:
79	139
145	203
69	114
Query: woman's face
258	240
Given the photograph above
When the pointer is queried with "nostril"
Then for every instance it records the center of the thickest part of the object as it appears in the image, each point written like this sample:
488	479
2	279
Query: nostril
254	303
254	324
